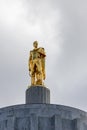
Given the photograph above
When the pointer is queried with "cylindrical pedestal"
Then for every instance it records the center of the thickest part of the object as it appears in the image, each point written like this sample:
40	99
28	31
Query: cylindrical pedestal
37	94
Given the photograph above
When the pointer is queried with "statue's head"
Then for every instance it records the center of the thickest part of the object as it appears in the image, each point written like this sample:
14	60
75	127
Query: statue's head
35	44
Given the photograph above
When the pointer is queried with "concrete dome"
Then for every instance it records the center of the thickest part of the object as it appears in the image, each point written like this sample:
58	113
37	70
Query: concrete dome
42	117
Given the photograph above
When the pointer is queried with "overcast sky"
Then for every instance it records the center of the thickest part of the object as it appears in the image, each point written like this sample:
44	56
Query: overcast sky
60	26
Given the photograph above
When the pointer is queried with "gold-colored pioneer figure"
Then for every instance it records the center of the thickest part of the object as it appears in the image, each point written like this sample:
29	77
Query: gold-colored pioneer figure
37	64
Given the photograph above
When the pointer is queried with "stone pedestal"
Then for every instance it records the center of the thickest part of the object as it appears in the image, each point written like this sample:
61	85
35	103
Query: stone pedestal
37	94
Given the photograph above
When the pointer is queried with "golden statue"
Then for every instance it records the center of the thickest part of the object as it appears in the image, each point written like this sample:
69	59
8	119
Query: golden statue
37	64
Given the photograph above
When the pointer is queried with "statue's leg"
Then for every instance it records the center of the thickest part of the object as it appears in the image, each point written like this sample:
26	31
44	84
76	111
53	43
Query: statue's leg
39	78
33	75
33	80
39	73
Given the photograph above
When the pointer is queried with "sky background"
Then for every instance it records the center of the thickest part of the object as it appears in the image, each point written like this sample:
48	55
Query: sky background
60	26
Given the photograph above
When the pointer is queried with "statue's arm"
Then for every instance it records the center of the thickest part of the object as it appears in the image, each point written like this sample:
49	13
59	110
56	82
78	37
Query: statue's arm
42	52
43	63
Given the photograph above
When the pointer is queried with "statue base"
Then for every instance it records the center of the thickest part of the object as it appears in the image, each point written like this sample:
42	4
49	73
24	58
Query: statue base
37	94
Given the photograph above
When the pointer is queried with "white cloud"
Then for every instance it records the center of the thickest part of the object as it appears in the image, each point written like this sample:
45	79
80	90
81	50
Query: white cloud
10	11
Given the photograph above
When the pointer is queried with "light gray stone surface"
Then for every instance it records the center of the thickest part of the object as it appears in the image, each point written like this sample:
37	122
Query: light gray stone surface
42	117
37	94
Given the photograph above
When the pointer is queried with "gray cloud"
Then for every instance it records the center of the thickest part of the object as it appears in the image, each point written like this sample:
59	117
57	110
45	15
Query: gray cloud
59	26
